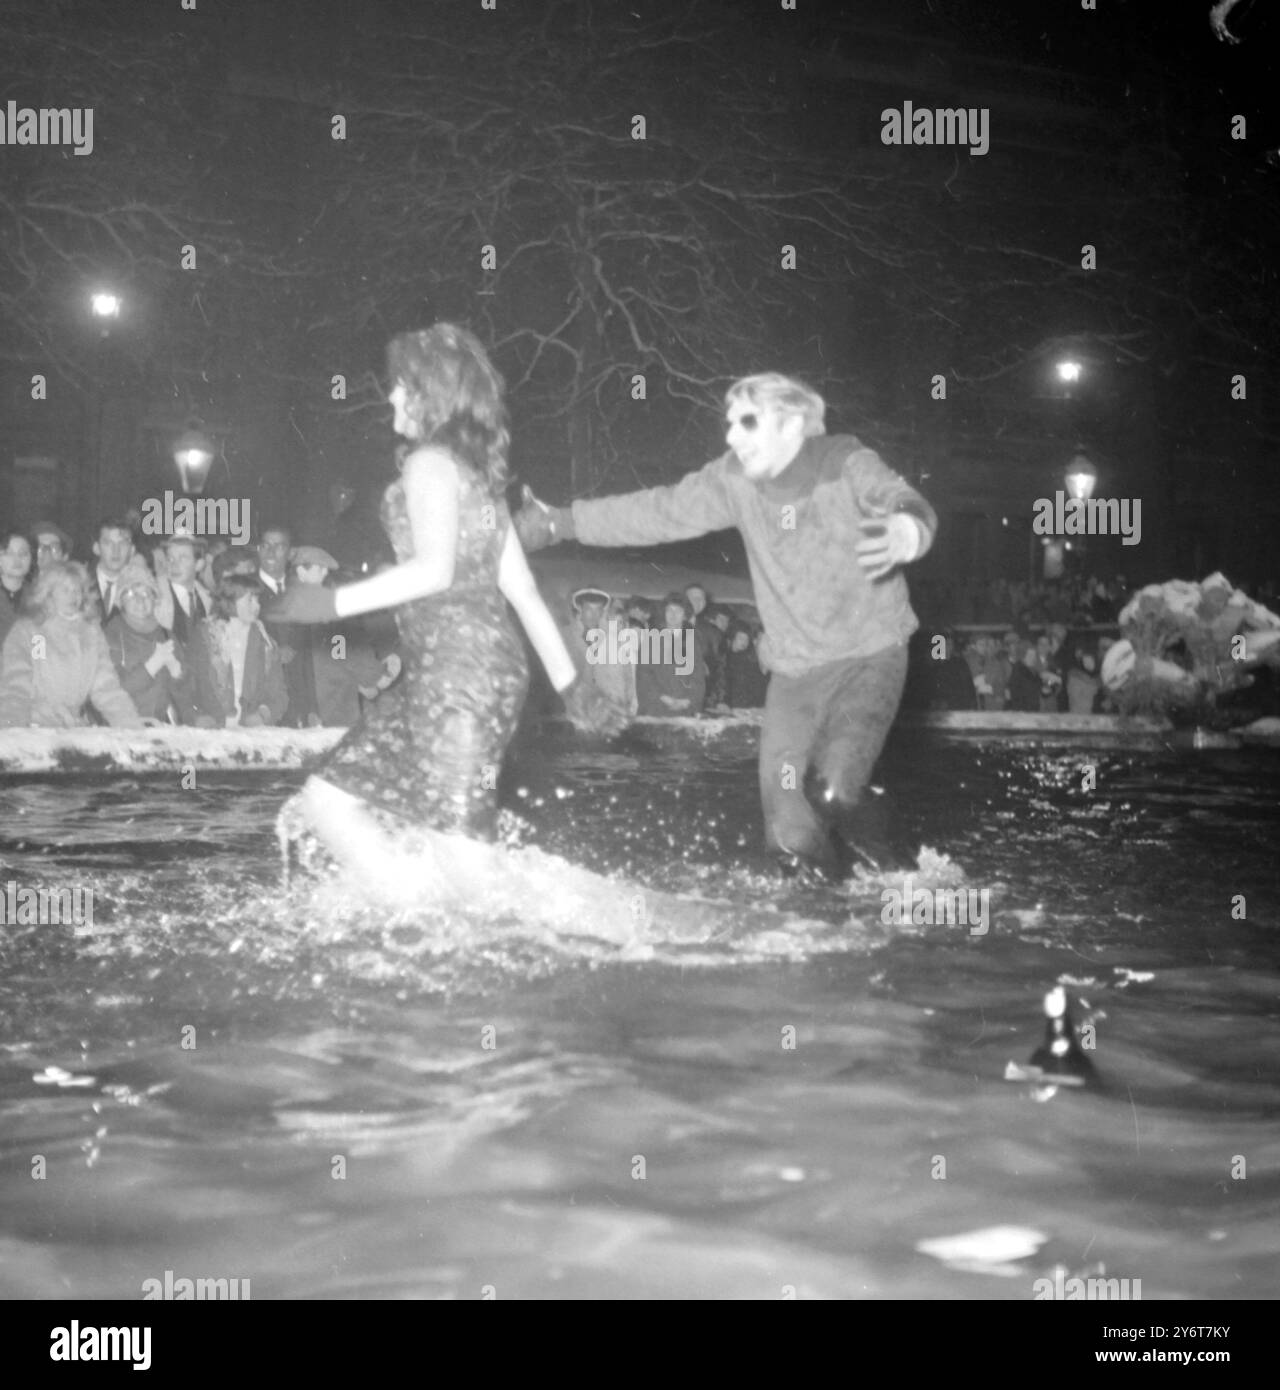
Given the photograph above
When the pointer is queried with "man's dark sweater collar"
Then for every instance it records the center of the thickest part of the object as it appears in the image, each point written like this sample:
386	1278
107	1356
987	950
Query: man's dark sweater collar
807	469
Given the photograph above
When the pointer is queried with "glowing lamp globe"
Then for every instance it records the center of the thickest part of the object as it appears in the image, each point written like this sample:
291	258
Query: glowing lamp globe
193	454
1081	478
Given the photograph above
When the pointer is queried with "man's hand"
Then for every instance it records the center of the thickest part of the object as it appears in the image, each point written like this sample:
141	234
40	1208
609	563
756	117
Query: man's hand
162	656
1218	21
539	525
893	541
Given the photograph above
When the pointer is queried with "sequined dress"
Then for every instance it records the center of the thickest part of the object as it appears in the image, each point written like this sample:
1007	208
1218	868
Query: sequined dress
429	749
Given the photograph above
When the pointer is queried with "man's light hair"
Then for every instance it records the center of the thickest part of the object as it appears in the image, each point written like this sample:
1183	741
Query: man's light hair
772	390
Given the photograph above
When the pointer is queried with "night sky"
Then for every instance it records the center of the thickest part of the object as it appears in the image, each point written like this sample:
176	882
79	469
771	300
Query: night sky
616	258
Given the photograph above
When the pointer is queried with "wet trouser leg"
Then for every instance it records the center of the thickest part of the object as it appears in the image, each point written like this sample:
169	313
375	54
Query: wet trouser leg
822	734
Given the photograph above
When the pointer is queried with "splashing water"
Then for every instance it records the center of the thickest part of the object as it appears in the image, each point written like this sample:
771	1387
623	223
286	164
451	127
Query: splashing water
459	894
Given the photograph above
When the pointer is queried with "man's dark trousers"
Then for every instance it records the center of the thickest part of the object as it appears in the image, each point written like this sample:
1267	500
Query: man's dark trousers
831	724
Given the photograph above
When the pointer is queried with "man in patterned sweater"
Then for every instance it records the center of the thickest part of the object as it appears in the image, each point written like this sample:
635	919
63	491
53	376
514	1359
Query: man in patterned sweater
826	524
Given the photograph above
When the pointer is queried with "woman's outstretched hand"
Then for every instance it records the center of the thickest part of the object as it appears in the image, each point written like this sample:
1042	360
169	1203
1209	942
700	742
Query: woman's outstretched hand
304	603
591	711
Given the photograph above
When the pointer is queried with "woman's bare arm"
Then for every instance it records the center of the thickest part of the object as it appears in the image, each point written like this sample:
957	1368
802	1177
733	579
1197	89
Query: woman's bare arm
431	497
520	589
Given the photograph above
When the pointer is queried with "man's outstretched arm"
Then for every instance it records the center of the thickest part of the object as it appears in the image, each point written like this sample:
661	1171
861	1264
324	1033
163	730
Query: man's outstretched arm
698	503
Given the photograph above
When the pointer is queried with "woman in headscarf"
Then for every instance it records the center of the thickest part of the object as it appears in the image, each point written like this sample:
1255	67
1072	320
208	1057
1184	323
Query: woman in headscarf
56	665
148	658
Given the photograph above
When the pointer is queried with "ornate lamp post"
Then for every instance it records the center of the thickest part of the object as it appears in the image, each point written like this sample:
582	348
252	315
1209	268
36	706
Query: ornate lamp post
193	454
1081	477
105	308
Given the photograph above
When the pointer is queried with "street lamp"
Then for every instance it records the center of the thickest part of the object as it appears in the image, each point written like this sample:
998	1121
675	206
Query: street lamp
1069	370
105	305
193	454
105	309
1081	478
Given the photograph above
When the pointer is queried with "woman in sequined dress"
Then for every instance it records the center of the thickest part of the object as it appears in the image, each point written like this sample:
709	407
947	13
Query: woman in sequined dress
429	751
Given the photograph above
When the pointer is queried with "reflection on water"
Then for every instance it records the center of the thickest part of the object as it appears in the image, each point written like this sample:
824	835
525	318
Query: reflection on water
329	1100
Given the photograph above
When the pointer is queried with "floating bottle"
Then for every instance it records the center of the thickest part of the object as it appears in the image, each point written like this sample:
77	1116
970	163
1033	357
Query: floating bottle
1059	1060
1061	1054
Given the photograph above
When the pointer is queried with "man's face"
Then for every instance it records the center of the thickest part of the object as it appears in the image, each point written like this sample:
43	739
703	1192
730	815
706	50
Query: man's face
1012	646
49	548
15	559
764	439
592	615
182	562
114	549
273	553
674	615
311	574
697	597
139	604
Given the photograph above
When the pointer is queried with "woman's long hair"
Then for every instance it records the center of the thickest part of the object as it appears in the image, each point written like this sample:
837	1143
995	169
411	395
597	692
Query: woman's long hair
454	393
231	588
38	603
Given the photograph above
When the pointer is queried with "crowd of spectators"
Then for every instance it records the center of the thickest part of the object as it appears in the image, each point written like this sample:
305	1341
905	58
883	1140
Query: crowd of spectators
1053	672
178	636
715	665
175	636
